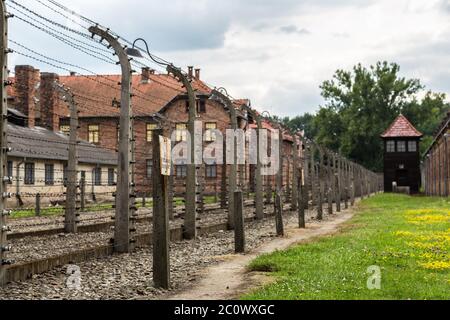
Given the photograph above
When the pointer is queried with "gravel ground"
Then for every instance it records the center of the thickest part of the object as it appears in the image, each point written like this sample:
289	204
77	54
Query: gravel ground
129	276
36	248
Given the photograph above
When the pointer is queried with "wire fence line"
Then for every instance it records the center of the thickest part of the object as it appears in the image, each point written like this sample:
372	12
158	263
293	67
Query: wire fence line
310	175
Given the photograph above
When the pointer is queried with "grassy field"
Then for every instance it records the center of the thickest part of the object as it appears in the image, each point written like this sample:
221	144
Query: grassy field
406	239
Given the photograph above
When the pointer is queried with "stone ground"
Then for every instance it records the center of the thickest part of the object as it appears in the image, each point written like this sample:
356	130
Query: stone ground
230	279
129	276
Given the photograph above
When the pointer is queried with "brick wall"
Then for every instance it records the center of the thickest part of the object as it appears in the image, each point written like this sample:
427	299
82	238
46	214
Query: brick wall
26	82
50	104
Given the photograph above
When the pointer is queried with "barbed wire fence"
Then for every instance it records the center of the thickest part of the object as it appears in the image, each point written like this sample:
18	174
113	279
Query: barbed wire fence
309	177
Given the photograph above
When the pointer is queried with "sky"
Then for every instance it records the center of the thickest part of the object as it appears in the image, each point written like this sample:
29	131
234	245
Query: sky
274	52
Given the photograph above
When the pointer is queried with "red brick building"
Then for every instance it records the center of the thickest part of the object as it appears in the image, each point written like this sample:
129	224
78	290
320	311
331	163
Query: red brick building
98	99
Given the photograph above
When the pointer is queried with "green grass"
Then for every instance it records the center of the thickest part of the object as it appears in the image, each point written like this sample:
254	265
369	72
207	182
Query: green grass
411	248
53	211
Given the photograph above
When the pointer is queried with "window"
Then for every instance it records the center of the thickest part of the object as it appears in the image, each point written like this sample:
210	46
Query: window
390	146
412	146
97	176
29	173
201	106
150	128
49	174
181	132
10	171
181	171
401	146
211	171
210	135
65	130
111	177
149	168
93	133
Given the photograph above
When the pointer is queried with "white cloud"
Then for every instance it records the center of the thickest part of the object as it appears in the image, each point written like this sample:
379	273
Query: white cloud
276	53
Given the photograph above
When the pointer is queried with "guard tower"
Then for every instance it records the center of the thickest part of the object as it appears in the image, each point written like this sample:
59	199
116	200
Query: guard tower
402	155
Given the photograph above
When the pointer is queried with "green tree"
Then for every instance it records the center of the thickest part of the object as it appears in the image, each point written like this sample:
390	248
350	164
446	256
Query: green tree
427	115
303	123
359	105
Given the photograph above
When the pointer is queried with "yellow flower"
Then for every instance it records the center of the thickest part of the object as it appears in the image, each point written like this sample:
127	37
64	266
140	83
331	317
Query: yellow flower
436	265
428	219
403	233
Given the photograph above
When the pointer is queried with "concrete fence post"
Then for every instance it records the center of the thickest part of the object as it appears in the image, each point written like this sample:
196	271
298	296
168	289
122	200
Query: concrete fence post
301	204
82	194
321	187
190	221
306	176
125	185
347	185
223	180
329	180
3	145
352	184
295	174
70	217
339	183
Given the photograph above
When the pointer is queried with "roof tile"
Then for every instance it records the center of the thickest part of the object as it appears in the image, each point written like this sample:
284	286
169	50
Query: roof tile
401	127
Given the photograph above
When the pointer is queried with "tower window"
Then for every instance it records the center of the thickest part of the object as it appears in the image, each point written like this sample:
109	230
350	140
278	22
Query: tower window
412	146
390	146
401	146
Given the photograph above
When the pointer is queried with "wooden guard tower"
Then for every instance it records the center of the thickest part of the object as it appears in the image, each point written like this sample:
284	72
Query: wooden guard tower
402	155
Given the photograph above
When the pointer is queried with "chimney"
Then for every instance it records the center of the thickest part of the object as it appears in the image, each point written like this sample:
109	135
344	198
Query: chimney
190	72
145	77
197	74
73	73
50	102
27	79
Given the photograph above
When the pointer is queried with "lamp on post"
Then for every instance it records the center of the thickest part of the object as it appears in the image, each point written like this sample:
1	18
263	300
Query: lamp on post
190	228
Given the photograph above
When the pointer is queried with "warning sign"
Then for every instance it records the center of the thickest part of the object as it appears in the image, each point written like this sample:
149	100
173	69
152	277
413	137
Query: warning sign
166	155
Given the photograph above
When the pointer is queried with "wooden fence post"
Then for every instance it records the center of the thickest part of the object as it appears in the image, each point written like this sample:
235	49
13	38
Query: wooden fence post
38	205
239	230
279	215
161	233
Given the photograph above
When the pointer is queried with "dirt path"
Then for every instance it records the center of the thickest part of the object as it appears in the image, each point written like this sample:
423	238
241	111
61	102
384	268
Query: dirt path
229	279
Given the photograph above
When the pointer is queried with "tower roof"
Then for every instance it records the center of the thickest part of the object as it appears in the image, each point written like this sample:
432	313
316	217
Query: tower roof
401	127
